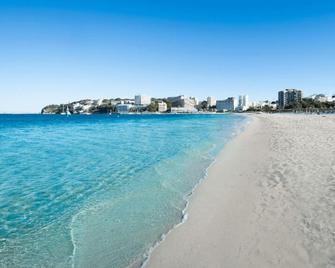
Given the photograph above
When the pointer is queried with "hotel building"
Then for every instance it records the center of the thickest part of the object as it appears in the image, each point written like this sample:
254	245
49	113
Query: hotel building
182	104
211	101
289	97
227	105
243	103
162	107
141	100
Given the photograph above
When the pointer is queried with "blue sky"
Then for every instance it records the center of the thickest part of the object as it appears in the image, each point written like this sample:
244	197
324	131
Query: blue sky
65	50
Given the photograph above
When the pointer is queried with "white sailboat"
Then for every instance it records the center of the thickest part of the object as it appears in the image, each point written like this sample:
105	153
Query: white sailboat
68	111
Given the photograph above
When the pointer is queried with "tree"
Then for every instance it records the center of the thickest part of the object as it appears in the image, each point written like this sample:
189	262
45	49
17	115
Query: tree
152	107
168	104
204	105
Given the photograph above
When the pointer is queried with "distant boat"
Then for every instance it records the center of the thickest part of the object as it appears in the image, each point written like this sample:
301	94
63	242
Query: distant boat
68	111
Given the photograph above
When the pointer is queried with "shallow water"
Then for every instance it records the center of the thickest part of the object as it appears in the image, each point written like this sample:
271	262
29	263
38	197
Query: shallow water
99	190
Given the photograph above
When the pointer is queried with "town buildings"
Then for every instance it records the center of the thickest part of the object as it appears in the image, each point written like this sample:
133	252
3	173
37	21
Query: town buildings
226	105
123	108
263	104
289	97
321	98
243	103
182	104
162	107
211	101
182	101
141	100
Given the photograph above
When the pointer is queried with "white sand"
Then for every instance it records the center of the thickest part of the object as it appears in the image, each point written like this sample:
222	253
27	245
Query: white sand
268	201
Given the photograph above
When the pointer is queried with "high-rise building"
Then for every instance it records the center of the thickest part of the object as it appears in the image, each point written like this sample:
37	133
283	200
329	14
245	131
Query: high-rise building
211	101
142	100
226	105
289	97
281	99
182	102
243	102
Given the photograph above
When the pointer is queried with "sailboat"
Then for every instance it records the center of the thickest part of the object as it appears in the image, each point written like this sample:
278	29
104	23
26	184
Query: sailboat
68	111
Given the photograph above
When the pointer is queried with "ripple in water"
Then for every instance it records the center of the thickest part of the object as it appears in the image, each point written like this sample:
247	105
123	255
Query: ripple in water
98	190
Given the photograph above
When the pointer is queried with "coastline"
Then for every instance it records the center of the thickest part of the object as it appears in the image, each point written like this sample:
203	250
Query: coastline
244	213
188	197
105	223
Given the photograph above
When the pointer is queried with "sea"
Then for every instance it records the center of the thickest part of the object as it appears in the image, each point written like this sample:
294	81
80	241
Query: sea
100	190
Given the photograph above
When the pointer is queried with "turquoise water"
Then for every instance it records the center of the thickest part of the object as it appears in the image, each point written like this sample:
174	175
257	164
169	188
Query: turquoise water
99	191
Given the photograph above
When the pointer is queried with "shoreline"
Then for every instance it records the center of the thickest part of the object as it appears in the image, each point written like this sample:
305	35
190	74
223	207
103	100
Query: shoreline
234	215
188	197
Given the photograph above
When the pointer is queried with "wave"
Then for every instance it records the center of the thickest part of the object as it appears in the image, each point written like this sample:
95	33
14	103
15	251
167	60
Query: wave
184	217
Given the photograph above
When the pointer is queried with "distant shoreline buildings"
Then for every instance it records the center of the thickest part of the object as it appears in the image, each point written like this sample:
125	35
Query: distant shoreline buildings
142	100
182	104
288	99
227	105
211	101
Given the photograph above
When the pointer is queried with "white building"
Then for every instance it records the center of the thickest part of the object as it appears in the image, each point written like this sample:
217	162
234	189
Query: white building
243	103
142	100
321	98
162	107
123	108
211	101
183	102
226	105
266	103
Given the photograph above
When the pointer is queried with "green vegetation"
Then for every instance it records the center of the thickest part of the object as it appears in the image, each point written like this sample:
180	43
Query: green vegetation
312	105
168	104
152	107
265	108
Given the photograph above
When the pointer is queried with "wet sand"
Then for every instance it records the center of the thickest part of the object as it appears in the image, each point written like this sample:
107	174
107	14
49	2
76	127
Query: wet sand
268	200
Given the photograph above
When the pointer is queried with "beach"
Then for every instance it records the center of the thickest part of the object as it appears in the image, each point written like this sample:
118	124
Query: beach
267	201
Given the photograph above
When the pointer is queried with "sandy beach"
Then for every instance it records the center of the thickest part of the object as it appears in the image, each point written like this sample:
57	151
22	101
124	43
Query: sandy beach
268	200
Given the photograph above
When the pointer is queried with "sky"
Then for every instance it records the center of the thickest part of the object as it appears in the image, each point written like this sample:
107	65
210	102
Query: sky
57	51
